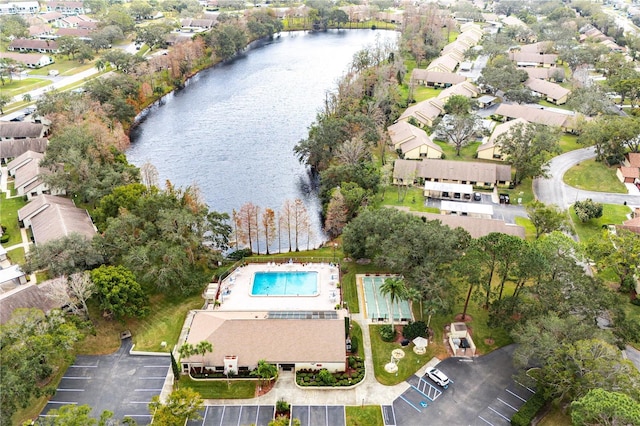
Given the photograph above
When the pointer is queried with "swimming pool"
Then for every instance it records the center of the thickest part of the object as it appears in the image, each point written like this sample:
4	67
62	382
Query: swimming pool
286	283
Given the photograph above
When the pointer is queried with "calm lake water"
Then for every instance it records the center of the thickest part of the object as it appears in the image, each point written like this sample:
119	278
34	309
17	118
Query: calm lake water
232	130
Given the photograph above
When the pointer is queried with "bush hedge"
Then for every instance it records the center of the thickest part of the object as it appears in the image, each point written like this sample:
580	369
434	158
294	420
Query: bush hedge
528	411
387	333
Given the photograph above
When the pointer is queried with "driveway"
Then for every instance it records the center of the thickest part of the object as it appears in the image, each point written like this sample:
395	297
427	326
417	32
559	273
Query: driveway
483	392
554	191
121	383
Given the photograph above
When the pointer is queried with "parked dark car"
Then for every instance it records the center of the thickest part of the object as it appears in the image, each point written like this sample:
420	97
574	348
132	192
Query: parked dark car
477	196
504	199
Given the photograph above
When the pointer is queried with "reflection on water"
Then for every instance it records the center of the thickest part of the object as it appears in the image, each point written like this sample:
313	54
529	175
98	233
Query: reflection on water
232	130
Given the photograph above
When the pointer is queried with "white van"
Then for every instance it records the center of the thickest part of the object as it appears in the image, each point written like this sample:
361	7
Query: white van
54	73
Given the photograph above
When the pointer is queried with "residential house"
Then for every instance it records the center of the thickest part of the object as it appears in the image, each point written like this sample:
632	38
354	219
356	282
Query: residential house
552	92
67	8
27	296
552	73
50	17
475	226
21	130
444	63
413	142
540	47
196	25
20	8
629	171
32	45
69	22
435	78
12	148
392	16
241	339
632	224
566	122
40	31
424	113
490	150
51	217
28	175
30	60
486	175
81	33
523	59
465	88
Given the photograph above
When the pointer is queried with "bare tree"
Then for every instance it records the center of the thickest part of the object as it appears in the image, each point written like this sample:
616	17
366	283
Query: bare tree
73	292
301	219
149	175
352	151
286	219
246	224
268	227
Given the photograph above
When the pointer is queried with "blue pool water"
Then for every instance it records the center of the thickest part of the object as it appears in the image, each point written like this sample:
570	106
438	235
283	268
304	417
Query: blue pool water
285	284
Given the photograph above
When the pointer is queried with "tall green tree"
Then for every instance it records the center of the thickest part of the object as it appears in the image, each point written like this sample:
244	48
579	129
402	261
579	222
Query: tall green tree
529	147
182	405
64	256
119	293
265	371
619	252
546	218
601	407
587	210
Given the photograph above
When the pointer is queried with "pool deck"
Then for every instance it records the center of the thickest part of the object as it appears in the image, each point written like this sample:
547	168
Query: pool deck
235	290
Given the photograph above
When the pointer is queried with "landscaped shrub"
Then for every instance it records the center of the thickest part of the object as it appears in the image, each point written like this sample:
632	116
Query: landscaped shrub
239	254
326	377
347	326
528	411
352	362
354	345
5	238
414	329
282	406
387	333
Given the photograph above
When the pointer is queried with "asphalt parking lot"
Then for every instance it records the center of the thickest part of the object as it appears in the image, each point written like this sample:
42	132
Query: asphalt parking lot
121	383
483	392
319	415
234	415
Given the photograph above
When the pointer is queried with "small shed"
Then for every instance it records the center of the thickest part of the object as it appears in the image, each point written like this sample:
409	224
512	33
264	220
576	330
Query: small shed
460	340
486	101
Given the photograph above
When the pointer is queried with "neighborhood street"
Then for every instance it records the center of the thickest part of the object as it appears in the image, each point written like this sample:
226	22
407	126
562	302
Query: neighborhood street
554	191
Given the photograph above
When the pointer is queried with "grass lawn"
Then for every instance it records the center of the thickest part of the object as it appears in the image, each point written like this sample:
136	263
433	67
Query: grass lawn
413	199
592	175
556	417
551	105
611	214
524	191
9	218
17	87
467	153
569	143
421	93
368	415
163	324
220	389
356	333
529	229
64	66
16	256
406	366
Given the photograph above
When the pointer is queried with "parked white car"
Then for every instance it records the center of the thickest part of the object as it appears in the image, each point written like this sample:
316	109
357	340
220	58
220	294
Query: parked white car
438	376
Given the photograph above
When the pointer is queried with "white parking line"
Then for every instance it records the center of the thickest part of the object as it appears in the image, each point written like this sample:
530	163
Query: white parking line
240	415
61	402
508	405
84	366
487	422
506	418
527	388
516	395
69	390
204	418
76	377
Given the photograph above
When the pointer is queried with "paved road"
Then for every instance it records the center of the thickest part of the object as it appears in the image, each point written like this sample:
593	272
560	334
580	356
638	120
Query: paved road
555	191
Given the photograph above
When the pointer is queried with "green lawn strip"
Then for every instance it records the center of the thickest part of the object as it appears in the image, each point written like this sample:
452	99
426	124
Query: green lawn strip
406	366
356	333
367	415
220	389
552	105
611	214
592	175
556	417
164	323
36	405
9	218
17	87
569	143
16	256
422	93
64	66
529	229
412	199
467	153
524	191
42	277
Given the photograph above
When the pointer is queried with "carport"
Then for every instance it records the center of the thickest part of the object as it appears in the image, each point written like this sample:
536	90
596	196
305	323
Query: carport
234	415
